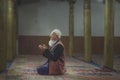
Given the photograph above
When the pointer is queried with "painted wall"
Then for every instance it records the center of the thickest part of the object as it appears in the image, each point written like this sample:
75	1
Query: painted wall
42	17
37	20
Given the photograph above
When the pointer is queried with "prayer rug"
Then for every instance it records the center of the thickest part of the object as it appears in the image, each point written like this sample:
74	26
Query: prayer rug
24	68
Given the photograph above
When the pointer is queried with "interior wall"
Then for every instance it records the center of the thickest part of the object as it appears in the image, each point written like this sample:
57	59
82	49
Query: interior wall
39	19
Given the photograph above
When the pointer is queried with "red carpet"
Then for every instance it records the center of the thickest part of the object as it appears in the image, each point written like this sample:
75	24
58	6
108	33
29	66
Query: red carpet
24	68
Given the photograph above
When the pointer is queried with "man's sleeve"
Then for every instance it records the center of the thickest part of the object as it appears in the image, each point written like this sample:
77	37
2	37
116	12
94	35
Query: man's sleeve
55	54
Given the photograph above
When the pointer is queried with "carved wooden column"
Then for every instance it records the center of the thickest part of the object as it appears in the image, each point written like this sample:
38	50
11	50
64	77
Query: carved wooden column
87	30
11	29
15	25
71	28
109	33
3	60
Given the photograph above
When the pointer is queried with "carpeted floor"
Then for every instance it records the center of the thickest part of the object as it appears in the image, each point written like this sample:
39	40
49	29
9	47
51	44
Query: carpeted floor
24	68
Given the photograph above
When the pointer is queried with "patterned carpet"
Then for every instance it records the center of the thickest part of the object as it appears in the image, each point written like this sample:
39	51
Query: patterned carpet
24	68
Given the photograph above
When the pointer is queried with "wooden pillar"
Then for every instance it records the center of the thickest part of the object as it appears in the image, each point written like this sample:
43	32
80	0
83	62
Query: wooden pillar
3	60
15	27
109	33
11	30
71	28
87	30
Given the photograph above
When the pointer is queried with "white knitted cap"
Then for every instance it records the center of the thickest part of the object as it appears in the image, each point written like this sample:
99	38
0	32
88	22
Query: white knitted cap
57	32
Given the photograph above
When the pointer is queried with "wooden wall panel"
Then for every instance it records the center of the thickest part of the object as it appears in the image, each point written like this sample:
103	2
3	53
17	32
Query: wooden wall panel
29	44
117	45
97	45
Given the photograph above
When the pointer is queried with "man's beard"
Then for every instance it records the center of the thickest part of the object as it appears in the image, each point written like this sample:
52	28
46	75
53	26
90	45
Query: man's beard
52	42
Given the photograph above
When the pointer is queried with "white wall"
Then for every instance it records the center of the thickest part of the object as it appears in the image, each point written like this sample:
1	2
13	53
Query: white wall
117	19
97	18
40	18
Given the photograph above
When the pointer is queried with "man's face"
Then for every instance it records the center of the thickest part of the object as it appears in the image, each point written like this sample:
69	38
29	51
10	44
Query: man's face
54	37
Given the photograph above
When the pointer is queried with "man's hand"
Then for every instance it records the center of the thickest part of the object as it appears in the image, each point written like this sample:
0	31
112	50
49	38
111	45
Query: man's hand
43	47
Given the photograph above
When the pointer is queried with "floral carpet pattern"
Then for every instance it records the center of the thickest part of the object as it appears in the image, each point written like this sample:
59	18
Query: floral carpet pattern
24	68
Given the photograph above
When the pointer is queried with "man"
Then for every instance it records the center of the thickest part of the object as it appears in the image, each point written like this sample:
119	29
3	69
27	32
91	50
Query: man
55	55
